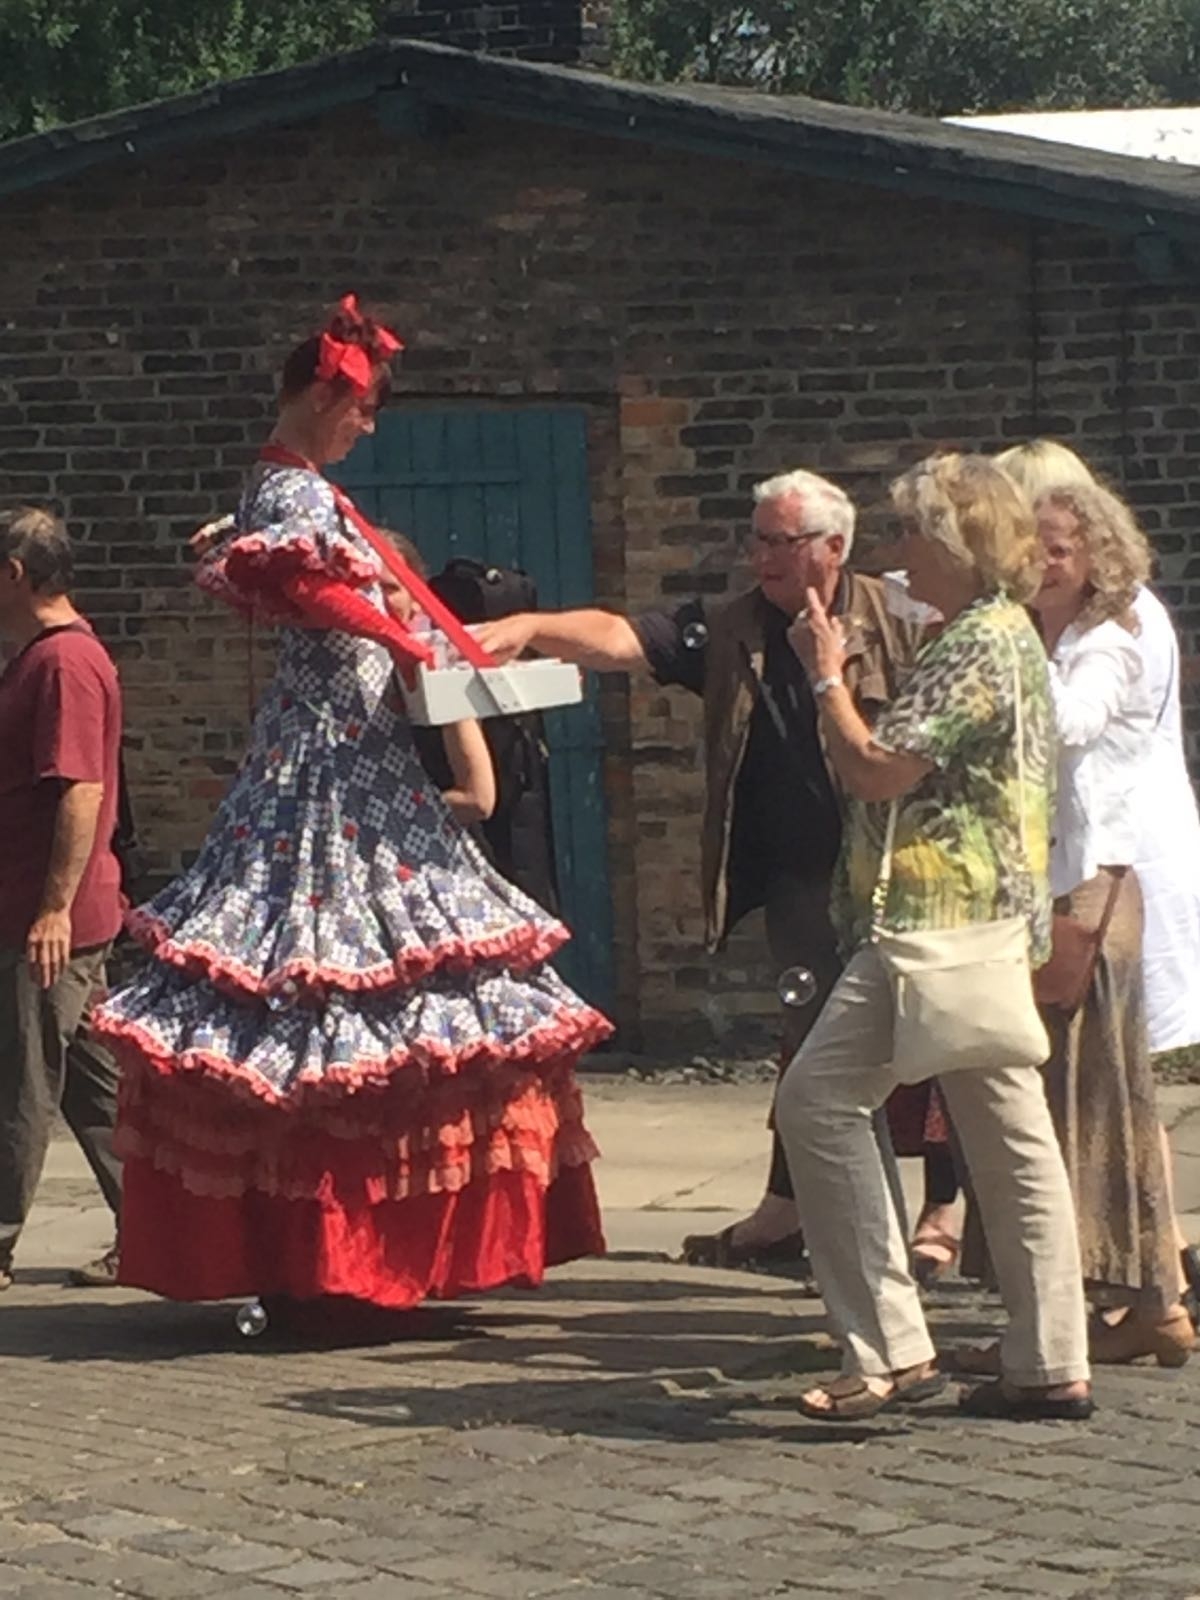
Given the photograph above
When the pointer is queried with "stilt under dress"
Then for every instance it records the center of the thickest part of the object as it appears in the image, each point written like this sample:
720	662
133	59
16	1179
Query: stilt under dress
348	1068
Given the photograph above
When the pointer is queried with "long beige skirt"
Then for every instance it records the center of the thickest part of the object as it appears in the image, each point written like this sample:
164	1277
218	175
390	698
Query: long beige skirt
1100	1088
1101	1091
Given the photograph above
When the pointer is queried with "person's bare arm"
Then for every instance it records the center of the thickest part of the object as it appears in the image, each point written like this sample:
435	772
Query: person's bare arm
48	943
472	798
599	640
867	771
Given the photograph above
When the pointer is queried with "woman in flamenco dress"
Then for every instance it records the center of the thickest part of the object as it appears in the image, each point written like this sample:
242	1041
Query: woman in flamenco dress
348	1069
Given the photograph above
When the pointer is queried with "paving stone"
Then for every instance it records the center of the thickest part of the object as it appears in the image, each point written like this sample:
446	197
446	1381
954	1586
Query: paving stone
513	1444
866	1522
1094	1561
309	1573
59	1589
177	1542
243	1555
388	1586
114	1526
935	1536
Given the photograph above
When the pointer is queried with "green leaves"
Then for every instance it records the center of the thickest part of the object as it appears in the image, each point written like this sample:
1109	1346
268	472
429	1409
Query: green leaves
61	60
931	56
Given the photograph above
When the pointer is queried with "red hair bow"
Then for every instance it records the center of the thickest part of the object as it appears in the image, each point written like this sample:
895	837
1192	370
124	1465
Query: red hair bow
338	358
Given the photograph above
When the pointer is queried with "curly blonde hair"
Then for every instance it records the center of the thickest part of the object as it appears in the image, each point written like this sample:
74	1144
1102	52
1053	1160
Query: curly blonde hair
976	513
1118	552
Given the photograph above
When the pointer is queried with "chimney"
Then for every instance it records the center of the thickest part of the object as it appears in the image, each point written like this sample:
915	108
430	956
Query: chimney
532	30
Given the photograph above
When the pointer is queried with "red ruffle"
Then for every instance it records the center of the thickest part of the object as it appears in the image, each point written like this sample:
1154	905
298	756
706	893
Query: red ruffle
379	1147
503	1229
247	572
410	1067
519	947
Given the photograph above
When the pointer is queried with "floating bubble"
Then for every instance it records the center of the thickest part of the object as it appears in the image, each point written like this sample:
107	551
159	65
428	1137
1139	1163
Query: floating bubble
796	986
251	1319
695	635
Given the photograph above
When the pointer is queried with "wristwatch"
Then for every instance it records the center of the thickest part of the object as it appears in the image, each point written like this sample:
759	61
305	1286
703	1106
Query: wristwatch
823	685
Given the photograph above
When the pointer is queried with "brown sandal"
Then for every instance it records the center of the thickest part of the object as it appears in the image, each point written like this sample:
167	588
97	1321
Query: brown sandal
851	1398
1135	1338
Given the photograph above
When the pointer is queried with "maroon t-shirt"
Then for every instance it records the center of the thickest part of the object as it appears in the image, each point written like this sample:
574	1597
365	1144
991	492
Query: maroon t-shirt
60	721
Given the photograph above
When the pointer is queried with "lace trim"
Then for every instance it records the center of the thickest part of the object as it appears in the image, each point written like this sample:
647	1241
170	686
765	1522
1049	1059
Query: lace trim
520	947
432	1143
568	1034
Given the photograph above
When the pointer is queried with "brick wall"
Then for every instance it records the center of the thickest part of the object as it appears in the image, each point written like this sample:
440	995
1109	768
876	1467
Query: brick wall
718	323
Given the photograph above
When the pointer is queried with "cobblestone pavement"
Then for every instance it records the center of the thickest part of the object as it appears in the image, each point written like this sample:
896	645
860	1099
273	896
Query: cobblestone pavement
628	1433
625	1434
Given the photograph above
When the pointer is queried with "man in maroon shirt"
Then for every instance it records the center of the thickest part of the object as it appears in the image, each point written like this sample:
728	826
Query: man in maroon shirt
60	900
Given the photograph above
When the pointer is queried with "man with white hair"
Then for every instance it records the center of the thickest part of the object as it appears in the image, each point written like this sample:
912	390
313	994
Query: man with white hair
772	819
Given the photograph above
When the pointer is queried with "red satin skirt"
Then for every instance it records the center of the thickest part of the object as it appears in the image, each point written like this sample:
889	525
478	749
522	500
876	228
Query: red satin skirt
503	1229
420	1191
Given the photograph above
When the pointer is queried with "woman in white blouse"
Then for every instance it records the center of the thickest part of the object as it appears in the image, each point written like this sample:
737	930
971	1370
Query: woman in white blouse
1167	861
1099	1080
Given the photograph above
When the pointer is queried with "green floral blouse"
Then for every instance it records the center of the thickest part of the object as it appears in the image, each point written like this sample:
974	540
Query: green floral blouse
960	855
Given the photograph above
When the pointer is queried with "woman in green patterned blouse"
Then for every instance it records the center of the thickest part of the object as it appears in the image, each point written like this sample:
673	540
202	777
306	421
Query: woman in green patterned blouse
971	846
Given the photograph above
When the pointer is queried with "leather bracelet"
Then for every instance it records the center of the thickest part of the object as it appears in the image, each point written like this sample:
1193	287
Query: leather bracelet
823	685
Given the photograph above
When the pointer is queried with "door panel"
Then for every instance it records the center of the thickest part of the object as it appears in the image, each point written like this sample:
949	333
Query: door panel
510	488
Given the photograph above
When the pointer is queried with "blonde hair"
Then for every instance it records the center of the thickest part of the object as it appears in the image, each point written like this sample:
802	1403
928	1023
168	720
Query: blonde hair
821	503
1043	464
979	517
1118	552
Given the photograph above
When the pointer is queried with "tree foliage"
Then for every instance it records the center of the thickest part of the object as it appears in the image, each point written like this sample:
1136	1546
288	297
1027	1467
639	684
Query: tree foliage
61	60
931	56
65	59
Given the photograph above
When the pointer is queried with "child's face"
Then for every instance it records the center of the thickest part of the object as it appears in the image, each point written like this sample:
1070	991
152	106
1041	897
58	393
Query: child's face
397	599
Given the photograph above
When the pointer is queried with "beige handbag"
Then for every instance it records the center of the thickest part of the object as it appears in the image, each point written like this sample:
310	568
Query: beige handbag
963	996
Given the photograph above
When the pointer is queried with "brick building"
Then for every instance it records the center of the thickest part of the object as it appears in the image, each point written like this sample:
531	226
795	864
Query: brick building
623	305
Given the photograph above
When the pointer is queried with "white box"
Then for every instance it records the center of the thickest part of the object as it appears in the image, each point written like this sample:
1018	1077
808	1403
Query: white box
902	605
452	694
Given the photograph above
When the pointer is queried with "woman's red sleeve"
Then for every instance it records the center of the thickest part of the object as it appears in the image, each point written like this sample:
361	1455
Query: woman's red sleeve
327	603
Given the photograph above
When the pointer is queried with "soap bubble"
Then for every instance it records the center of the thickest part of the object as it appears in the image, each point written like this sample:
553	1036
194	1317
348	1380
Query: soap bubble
695	635
796	986
251	1319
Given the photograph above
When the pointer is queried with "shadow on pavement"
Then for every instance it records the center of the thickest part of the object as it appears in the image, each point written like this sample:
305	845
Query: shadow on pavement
679	1408
642	1325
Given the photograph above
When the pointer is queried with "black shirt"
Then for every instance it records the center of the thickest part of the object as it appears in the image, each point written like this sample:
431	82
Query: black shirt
786	819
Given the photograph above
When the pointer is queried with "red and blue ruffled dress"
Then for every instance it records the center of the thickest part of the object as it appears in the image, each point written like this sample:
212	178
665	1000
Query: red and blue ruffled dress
348	1068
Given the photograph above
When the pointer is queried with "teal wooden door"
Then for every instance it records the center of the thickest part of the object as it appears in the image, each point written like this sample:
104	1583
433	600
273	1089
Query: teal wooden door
510	488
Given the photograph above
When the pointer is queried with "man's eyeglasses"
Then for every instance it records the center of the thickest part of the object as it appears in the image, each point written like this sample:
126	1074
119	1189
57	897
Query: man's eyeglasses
770	542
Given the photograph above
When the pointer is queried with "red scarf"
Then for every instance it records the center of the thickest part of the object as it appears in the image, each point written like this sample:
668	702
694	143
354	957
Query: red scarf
436	610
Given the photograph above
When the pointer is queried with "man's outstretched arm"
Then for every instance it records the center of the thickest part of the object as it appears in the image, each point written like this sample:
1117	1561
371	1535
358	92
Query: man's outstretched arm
599	640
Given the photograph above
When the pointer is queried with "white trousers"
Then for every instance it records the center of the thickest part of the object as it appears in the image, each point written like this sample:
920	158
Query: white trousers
823	1110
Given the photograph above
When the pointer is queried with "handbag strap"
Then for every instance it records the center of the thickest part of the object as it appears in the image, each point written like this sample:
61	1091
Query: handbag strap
884	880
1110	905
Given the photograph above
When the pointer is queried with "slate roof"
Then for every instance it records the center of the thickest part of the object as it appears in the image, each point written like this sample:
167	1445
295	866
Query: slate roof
887	150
